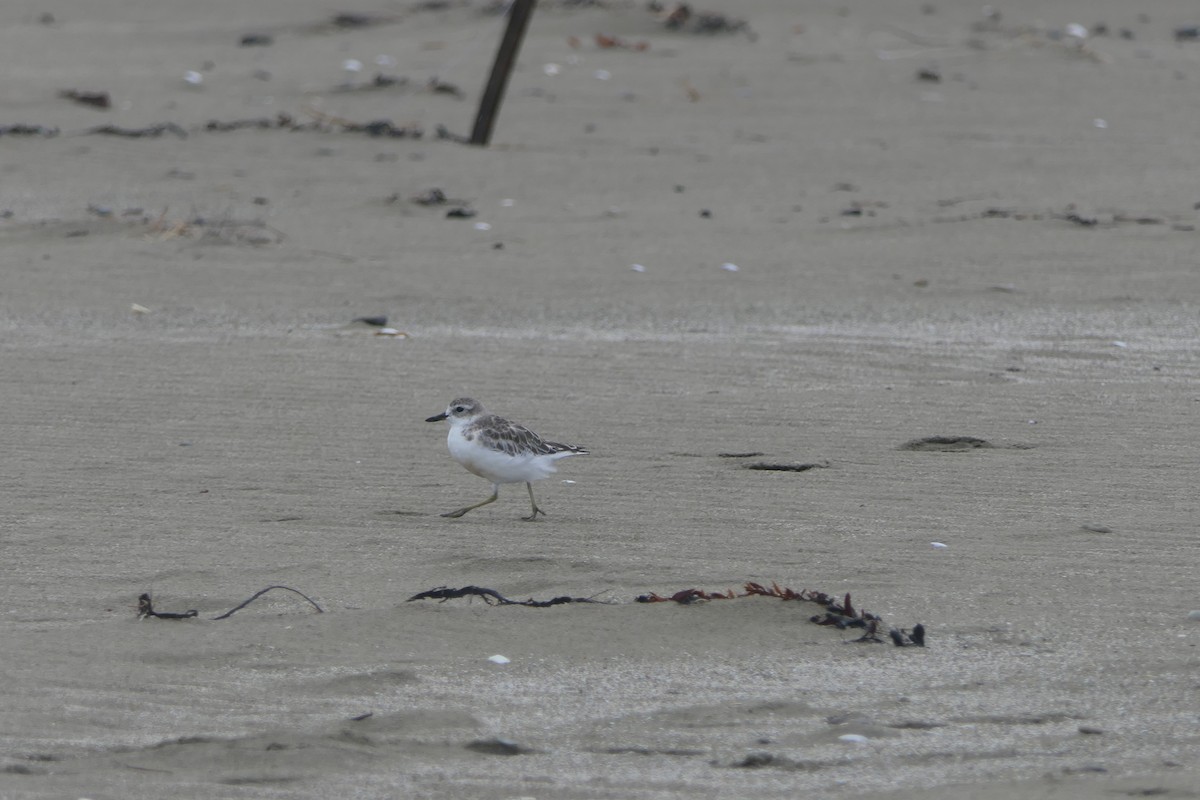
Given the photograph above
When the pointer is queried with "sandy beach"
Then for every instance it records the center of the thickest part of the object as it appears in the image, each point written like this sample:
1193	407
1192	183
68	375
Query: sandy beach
804	242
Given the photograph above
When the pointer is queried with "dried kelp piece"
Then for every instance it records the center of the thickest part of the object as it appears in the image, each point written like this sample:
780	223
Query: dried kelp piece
494	598
146	608
913	638
685	596
261	592
839	612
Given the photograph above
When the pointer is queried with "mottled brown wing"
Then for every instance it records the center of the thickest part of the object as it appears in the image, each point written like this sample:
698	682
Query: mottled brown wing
498	433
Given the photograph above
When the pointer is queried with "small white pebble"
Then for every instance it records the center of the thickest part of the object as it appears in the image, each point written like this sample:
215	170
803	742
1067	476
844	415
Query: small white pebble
551	69
853	738
138	308
499	659
939	545
730	267
1120	344
602	74
637	268
483	226
193	77
569	483
1100	123
1077	30
352	65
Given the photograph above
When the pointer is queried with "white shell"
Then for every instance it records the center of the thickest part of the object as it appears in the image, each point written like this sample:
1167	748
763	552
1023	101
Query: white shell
499	659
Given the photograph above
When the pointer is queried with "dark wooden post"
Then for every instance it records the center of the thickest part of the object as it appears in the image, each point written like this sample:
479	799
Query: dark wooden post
518	20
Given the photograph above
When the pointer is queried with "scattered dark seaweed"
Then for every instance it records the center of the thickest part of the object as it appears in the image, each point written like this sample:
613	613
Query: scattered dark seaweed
839	612
21	129
151	131
494	598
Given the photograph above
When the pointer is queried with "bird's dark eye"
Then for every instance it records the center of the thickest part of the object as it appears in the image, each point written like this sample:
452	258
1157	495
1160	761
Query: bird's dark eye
459	409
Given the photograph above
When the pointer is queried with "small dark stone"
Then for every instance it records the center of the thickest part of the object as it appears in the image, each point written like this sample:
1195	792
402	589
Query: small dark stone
462	212
348	19
783	467
498	747
256	40
755	760
378	322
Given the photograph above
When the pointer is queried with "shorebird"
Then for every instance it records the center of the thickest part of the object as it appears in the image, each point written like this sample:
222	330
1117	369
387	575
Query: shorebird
499	451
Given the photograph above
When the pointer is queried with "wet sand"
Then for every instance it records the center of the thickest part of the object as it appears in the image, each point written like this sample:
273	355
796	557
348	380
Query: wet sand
1007	253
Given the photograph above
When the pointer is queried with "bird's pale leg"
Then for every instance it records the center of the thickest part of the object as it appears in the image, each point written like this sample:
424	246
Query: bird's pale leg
461	511
533	516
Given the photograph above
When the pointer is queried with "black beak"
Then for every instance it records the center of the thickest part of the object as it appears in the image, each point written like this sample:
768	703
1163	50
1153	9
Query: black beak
438	417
